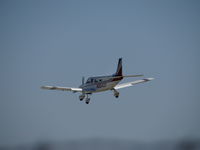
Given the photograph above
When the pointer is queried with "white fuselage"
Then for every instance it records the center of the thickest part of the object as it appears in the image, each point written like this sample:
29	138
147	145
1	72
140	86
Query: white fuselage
99	84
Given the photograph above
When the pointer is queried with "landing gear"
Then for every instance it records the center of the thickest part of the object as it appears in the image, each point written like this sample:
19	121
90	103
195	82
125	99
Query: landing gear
84	96
81	97
87	101
116	93
116	96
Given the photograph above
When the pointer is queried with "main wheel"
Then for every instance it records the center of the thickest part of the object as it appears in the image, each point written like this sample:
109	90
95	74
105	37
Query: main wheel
116	94
87	101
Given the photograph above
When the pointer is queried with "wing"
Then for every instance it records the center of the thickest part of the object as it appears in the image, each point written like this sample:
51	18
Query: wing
128	84
62	88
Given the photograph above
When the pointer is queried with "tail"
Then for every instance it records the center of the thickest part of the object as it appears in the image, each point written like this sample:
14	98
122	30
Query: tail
119	68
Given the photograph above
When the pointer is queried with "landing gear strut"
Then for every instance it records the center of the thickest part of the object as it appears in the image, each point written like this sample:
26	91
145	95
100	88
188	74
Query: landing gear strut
81	97
86	96
116	93
87	100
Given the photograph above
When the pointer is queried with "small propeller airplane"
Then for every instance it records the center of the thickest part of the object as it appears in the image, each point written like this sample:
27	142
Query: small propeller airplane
100	84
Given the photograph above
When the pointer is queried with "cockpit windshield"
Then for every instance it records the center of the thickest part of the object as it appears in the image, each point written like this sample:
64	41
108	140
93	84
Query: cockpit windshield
89	80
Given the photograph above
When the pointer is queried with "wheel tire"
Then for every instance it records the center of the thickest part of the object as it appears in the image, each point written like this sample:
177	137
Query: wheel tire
87	101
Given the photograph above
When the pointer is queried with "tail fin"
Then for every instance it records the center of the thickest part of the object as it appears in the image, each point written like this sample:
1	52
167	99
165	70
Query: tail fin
119	68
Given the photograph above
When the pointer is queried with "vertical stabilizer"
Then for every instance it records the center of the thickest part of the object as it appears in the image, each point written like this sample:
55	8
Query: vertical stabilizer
119	68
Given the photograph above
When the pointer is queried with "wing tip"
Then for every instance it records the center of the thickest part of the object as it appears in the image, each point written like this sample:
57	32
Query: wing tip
47	87
42	87
149	79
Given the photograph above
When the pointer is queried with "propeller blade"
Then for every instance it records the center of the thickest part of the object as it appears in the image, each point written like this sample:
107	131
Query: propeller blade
83	80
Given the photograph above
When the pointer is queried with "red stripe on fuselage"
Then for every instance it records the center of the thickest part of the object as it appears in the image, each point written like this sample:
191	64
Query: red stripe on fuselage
117	79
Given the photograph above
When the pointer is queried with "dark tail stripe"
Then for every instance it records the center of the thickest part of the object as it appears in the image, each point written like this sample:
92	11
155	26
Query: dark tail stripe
119	68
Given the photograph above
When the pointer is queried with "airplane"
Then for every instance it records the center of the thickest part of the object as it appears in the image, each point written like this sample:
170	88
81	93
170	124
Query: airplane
100	84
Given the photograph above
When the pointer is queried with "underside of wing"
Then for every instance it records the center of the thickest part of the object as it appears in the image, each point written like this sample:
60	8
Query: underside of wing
128	84
62	88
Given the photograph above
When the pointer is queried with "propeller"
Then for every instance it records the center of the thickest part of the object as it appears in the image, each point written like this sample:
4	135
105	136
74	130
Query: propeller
83	80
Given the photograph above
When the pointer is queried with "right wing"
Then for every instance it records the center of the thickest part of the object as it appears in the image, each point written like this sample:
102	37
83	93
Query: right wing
62	88
128	84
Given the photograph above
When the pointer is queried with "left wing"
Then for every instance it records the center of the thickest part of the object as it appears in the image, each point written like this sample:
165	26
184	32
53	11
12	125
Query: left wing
62	88
128	84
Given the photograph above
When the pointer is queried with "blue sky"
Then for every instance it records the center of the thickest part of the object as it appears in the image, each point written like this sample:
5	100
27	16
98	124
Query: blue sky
58	42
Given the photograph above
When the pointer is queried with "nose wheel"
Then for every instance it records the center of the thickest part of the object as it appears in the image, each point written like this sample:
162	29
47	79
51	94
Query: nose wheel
86	97
87	100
